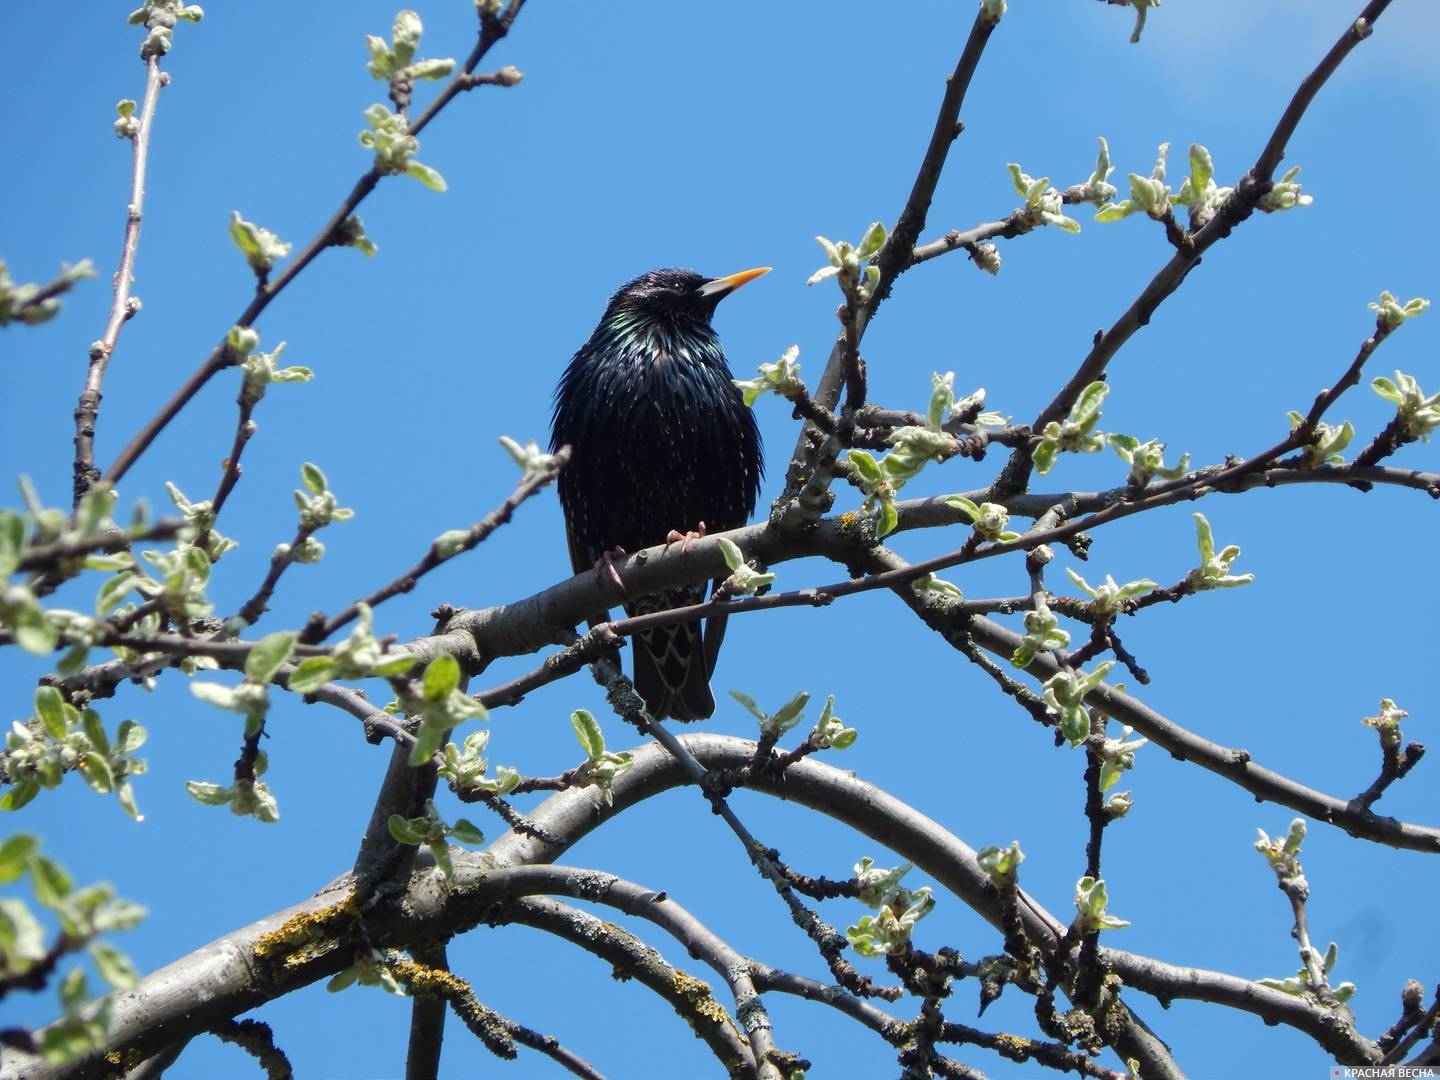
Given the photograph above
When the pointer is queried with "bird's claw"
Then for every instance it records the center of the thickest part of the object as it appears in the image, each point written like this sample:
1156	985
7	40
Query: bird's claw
605	564
674	536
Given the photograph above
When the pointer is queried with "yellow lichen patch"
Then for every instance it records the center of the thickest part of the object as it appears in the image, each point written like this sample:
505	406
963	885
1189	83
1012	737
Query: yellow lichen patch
429	981
698	997
1014	1047
305	935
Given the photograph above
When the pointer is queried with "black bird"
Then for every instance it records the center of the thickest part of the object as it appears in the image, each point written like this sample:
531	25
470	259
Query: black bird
661	441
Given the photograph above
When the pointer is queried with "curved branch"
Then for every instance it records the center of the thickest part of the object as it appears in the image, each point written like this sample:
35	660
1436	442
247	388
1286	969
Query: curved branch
846	798
239	975
922	841
655	907
689	997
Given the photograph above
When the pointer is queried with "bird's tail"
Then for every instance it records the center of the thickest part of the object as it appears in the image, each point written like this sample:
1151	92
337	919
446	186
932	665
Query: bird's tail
672	672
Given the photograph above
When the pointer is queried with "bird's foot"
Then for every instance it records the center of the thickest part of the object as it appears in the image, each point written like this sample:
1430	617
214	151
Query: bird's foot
674	536
605	566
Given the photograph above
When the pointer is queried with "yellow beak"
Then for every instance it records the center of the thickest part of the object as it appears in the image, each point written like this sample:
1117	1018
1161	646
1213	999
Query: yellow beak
721	285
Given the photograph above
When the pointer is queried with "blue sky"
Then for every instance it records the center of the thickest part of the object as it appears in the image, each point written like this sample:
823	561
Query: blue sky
721	137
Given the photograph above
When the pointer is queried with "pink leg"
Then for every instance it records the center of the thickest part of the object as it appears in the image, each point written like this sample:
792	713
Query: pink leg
605	564
674	536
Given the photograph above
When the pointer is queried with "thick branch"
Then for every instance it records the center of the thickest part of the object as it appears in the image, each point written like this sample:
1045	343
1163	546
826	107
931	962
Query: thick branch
689	997
163	1007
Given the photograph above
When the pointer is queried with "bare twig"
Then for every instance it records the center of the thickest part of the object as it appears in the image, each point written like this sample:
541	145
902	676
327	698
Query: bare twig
1274	152
477	534
896	257
230	476
122	306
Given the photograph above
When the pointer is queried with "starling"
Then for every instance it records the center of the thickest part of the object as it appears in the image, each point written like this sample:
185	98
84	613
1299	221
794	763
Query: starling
661	441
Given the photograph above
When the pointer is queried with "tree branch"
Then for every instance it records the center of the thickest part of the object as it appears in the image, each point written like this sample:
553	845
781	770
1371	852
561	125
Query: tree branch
122	306
427	1020
493	29
477	534
1235	765
893	260
162	1008
688	996
1237	208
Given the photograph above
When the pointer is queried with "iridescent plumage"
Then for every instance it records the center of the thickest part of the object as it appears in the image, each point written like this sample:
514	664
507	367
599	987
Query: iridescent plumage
660	440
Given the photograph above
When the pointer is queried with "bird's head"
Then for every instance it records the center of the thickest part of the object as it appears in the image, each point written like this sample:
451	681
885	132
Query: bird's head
676	295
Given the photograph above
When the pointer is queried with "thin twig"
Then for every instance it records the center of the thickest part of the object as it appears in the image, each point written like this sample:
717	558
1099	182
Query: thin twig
122	307
896	257
1016	223
44	557
1237	208
808	467
828	941
493	28
1274	151
230	476
477	534
280	561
